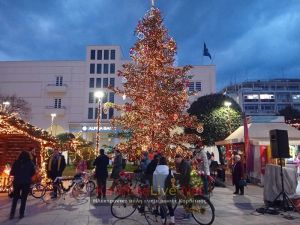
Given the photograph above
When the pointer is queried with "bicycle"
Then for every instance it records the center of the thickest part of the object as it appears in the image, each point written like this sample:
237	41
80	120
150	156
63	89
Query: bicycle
76	185
151	207
198	205
36	190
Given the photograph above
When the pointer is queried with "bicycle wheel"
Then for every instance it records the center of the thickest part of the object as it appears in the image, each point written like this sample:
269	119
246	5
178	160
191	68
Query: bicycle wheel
124	206
155	213
202	210
49	196
79	192
38	190
90	186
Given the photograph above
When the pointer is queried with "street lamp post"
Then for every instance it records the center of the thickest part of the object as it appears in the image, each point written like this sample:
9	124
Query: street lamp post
4	106
99	95
228	104
53	115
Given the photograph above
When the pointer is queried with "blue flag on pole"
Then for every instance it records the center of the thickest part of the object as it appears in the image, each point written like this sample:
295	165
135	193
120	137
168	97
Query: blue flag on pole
205	51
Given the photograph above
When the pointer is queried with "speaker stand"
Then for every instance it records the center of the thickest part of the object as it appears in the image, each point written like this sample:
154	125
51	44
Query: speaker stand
286	203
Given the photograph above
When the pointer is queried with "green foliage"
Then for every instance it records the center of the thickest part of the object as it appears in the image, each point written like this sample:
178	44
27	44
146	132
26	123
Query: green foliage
218	120
65	137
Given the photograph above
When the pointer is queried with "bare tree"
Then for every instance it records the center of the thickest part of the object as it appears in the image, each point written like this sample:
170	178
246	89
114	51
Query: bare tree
15	105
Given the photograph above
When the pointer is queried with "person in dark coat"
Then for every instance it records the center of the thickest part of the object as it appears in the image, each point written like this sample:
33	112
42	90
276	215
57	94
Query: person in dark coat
117	168
55	168
23	169
237	175
151	168
184	170
101	163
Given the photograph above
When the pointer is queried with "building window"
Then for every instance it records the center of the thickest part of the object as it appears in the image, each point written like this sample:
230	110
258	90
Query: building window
93	52
105	82
191	86
110	113
99	68
98	83
99	54
91	97
296	98
57	103
90	113
112	68
105	69
112	97
251	108
59	81
251	98
92	83
198	86
112	82
106	54
92	68
96	113
104	100
266	97
112	54
267	108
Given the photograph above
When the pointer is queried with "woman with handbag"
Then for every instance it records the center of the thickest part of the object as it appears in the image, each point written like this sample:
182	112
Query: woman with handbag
238	175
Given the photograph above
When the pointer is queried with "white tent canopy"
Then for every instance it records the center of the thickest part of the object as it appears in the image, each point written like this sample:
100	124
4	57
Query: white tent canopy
259	134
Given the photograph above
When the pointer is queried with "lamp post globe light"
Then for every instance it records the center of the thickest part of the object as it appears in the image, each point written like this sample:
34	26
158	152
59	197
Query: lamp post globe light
53	115
227	104
99	95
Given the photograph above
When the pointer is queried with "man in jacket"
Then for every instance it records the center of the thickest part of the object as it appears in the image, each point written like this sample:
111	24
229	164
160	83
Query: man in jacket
184	169
117	168
56	166
237	175
101	163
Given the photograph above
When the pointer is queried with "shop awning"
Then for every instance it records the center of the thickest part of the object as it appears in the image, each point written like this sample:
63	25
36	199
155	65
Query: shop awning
259	134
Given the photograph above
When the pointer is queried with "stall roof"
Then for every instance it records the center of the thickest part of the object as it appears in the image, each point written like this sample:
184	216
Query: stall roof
259	134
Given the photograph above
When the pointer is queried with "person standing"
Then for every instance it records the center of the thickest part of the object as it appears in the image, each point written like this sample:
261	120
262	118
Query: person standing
238	175
81	166
55	168
101	163
202	163
117	168
184	170
160	175
150	169
23	169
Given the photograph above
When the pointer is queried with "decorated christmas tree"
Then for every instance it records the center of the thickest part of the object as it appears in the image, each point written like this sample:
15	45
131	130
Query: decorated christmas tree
155	113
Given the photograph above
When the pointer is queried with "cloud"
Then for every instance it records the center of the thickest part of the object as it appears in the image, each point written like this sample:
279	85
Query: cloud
248	39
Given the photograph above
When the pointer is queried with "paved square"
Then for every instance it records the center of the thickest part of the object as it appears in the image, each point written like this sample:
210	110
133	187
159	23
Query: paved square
230	210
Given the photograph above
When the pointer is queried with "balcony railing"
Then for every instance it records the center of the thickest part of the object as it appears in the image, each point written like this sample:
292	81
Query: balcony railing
54	88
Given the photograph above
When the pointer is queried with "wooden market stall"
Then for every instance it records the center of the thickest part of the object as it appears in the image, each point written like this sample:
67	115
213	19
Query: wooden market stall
259	153
15	136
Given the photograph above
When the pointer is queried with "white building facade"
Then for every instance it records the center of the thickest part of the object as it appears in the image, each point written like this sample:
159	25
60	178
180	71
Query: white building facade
265	97
66	88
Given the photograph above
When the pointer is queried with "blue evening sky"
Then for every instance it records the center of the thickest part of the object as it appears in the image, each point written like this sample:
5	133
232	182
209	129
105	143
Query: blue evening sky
248	39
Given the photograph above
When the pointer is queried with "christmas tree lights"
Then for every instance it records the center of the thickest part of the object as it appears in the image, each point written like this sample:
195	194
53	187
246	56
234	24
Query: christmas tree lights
157	93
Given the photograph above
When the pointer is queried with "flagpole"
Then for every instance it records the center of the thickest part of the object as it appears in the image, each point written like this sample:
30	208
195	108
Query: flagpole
212	60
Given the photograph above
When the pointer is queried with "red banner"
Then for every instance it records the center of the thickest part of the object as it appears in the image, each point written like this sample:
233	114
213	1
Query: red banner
263	158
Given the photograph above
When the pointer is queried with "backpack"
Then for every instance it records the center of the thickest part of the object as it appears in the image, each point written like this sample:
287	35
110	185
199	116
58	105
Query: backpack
123	163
